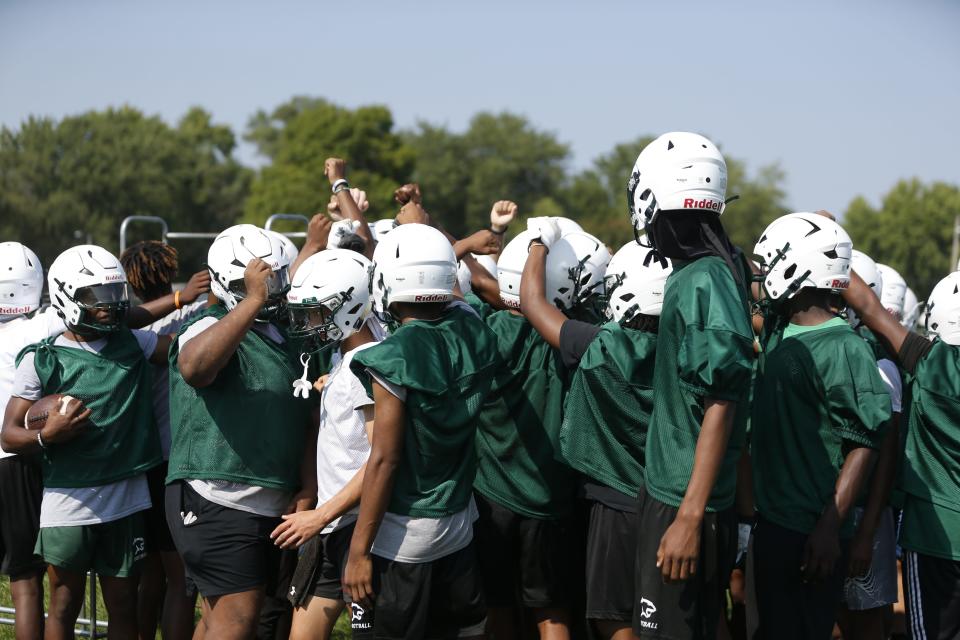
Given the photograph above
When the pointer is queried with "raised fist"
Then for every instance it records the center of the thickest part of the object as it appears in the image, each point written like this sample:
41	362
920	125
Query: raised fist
502	214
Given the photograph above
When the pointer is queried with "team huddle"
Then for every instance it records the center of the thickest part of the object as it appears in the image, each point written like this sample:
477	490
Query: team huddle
457	438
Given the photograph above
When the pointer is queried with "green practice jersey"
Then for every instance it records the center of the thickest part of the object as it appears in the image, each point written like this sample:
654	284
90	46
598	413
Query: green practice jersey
447	367
704	350
820	386
608	406
930	477
519	462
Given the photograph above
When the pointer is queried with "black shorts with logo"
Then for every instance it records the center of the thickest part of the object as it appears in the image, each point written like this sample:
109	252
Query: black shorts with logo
522	560
21	490
224	550
439	599
689	609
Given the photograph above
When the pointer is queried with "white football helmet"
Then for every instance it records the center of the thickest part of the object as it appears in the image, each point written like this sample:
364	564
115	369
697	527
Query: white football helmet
413	263
866	268
576	264
510	267
488	263
943	310
87	279
911	309
567	225
21	279
801	250
229	256
894	290
288	247
381	228
463	278
330	296
678	171
635	280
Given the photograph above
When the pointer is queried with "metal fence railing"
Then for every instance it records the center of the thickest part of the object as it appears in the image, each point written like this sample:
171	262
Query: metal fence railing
166	235
87	626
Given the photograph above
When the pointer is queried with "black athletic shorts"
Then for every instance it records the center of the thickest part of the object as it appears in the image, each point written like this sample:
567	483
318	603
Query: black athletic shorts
21	490
788	607
611	550
438	600
320	567
689	609
522	560
224	550
931	586
157	534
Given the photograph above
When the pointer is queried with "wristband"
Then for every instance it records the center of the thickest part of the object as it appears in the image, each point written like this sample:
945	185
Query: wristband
40	441
176	300
539	242
339	185
498	233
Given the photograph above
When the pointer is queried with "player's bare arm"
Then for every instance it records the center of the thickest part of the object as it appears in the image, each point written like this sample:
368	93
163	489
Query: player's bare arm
205	355
680	545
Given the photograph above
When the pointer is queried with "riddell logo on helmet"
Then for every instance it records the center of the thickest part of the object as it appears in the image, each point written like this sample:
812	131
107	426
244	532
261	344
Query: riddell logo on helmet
113	277
14	311
433	297
706	203
840	284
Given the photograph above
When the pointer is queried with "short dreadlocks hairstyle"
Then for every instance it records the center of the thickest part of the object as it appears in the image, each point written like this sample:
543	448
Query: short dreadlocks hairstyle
151	267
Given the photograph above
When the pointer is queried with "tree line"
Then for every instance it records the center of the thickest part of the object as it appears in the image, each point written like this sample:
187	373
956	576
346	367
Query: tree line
64	181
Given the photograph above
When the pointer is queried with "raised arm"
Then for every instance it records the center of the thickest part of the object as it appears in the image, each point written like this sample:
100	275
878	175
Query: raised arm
545	317
865	302
202	358
318	232
336	171
149	312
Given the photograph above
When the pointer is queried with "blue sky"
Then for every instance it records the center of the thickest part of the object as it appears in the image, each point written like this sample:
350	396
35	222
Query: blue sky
847	97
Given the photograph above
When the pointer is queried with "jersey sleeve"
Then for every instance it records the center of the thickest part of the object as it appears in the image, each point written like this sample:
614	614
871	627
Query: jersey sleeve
891	378
914	348
857	398
716	351
194	330
147	341
575	338
26	382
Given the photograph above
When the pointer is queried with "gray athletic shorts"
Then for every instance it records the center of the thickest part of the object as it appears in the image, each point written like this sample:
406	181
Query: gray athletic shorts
878	586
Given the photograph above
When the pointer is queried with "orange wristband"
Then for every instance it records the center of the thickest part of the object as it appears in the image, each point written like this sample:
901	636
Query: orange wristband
176	299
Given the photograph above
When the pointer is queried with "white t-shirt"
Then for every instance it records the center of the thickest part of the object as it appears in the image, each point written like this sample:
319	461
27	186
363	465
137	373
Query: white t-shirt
238	495
72	507
169	325
342	445
17	332
891	377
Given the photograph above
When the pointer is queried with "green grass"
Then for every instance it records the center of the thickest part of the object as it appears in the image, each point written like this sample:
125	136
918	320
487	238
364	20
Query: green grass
340	632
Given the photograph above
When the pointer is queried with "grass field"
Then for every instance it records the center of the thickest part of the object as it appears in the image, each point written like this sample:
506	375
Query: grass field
340	632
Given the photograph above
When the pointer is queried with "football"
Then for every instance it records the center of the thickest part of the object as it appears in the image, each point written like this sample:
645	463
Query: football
37	414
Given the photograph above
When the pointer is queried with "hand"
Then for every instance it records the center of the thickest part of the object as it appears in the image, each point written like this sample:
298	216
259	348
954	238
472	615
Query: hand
333	208
340	230
411	213
408	193
255	278
358	578
861	554
482	242
679	549
544	229
197	285
335	169
826	214
822	551
297	528
321	382
318	231
359	196
738	587
502	214
66	425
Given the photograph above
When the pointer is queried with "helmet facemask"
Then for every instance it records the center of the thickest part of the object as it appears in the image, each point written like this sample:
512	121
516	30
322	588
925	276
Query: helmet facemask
103	307
315	321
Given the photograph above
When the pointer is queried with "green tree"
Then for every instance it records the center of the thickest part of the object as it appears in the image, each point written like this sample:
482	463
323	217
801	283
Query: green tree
597	197
911	231
499	156
64	182
300	134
